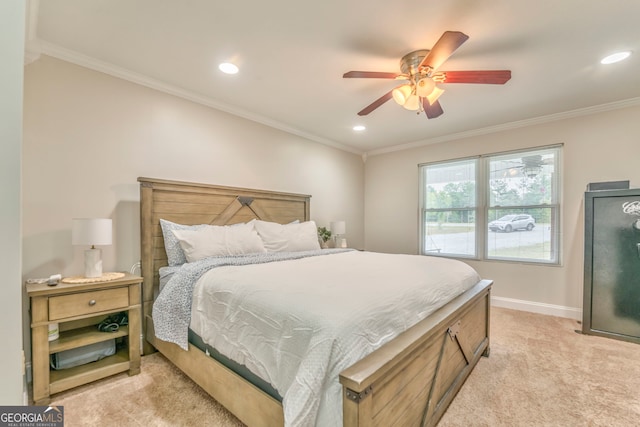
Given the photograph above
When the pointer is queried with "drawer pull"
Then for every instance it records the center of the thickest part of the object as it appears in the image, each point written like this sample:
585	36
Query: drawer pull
92	302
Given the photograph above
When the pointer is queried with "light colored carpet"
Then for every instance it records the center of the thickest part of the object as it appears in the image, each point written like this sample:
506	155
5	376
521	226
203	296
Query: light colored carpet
159	396
540	373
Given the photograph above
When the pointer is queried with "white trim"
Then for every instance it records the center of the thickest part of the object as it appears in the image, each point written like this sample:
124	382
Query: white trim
31	32
632	102
31	45
537	307
77	58
28	372
36	46
31	53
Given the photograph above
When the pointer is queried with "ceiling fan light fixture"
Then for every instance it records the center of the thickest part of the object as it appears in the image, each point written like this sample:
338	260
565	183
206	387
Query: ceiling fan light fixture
424	87
434	95
401	94
412	103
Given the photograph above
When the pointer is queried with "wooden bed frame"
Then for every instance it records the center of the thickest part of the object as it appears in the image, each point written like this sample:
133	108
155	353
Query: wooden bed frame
410	381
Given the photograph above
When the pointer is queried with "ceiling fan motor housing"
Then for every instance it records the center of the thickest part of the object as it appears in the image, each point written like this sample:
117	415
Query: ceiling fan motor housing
410	62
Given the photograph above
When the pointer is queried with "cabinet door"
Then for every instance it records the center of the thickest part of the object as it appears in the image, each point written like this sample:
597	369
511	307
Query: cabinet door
615	292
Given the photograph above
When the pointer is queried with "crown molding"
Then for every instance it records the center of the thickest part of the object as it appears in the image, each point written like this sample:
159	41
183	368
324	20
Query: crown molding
82	60
31	45
35	47
31	52
632	102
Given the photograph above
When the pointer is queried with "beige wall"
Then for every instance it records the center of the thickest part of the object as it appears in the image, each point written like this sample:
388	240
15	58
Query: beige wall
12	32
599	147
89	136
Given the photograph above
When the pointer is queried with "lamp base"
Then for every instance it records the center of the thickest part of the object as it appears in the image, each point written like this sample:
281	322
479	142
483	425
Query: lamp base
93	263
340	242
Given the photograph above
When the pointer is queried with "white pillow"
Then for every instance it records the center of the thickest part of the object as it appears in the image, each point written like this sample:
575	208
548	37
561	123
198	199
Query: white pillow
213	240
288	237
175	254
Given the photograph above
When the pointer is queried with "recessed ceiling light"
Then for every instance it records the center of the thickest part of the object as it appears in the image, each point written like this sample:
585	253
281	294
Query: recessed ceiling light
228	68
359	128
616	57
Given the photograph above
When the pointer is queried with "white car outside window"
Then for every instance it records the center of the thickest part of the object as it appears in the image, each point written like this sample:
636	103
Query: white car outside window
509	223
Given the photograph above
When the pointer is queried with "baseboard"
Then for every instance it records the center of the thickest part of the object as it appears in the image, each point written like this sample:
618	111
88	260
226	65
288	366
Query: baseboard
27	369
26	380
537	307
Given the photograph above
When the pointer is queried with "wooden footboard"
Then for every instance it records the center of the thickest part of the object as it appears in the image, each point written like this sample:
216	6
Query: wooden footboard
412	380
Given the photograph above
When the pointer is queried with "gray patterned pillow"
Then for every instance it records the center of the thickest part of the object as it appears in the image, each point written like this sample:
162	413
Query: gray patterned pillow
175	254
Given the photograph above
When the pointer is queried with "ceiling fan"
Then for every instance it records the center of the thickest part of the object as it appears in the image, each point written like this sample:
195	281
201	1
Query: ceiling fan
528	166
420	69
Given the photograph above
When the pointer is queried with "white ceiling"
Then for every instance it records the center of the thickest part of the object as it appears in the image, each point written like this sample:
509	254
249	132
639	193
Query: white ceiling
292	54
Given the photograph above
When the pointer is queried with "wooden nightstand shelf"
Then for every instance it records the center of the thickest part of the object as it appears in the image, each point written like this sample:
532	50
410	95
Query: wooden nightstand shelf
78	308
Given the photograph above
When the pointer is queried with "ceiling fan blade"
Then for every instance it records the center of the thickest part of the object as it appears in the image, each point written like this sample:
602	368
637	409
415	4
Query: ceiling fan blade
442	50
370	75
375	104
432	110
496	77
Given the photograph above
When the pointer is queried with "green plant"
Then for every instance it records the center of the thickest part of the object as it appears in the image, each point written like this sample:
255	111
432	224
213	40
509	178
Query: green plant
324	234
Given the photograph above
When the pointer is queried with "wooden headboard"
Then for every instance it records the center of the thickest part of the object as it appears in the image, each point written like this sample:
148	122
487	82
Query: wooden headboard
191	203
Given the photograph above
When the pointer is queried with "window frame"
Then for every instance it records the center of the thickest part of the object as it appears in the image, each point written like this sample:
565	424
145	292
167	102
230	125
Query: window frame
423	210
483	207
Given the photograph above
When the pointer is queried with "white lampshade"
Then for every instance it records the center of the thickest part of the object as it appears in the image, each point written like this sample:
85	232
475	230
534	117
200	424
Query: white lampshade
338	227
434	95
401	94
413	103
91	231
424	87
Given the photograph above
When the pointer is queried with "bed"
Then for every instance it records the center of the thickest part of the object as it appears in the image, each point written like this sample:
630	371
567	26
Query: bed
408	381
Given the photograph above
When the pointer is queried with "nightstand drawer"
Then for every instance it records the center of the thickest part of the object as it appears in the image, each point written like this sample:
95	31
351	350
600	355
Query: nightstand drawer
79	304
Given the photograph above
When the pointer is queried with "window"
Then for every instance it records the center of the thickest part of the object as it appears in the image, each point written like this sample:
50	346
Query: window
501	206
449	216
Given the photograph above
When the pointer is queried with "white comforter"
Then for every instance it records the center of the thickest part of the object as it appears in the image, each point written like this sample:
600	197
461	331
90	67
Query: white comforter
298	323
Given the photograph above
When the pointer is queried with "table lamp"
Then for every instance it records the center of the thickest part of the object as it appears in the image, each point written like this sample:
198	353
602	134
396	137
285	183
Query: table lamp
338	229
91	232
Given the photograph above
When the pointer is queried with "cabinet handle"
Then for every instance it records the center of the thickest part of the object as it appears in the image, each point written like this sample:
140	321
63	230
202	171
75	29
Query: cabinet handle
92	302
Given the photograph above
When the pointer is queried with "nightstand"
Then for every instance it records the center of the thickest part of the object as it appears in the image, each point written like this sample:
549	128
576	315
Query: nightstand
78	308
